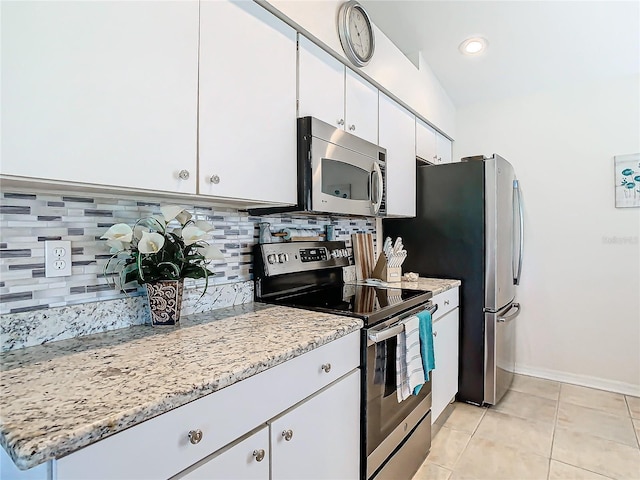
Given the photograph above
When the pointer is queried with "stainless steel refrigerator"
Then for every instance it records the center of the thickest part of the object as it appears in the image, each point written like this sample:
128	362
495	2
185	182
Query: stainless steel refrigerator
469	227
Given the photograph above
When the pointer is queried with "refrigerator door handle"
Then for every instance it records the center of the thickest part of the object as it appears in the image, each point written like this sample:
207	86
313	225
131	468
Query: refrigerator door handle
516	191
508	318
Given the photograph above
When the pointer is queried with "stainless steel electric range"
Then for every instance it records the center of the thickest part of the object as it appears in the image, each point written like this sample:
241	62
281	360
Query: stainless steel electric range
395	436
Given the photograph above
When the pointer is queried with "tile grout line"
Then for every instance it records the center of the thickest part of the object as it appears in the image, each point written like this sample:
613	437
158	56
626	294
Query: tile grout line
633	425
553	432
455	464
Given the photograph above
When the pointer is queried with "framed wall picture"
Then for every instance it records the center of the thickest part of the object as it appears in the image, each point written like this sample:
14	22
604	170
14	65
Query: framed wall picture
627	177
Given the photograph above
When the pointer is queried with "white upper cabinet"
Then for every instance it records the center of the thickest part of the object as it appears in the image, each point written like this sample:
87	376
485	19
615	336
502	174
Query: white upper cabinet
443	149
431	145
335	94
425	142
101	92
320	84
398	136
361	112
247	124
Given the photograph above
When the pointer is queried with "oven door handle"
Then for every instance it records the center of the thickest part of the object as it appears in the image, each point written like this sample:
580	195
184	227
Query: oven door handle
377	336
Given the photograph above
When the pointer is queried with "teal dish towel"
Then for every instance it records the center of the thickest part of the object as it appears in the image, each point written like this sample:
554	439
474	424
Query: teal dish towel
426	345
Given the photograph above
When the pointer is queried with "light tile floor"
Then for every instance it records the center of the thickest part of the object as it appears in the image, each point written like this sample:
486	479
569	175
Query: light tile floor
541	430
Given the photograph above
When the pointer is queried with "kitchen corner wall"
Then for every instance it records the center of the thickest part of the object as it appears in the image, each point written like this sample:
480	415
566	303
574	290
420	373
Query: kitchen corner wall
580	320
27	220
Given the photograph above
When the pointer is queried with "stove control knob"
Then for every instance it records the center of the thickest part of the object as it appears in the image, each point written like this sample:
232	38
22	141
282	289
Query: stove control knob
283	257
336	253
271	258
345	252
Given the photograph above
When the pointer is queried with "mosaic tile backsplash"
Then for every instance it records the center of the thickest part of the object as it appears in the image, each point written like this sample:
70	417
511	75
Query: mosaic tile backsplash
27	220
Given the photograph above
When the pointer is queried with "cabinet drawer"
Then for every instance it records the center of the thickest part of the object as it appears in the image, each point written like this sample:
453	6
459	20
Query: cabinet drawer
446	302
160	447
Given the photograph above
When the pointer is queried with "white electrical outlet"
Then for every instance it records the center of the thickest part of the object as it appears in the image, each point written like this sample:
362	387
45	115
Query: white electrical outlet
57	258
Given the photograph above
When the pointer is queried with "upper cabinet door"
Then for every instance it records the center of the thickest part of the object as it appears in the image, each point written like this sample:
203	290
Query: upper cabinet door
361	107
320	84
101	92
443	147
426	142
247	129
431	145
398	136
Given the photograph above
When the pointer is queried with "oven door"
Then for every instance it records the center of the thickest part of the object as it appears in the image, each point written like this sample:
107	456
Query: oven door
387	421
344	181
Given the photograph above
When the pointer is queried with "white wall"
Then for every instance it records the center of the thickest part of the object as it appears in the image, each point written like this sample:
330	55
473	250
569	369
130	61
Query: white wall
419	89
580	289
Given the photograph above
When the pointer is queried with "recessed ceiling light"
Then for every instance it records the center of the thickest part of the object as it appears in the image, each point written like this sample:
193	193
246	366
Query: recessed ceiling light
473	46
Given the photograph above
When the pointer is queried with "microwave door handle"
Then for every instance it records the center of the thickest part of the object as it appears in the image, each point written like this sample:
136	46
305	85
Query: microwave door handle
377	187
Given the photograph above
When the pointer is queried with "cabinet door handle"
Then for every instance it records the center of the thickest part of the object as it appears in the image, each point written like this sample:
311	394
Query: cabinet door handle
287	434
352	127
215	179
341	121
435	334
195	436
446	302
326	367
259	454
183	174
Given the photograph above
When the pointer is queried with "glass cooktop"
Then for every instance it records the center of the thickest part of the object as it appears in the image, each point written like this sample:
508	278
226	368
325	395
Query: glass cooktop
371	304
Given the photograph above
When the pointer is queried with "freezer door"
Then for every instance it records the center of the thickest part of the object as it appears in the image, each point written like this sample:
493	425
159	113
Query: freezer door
499	232
499	352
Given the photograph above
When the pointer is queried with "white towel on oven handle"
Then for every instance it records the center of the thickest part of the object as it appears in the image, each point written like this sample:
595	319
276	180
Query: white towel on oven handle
409	367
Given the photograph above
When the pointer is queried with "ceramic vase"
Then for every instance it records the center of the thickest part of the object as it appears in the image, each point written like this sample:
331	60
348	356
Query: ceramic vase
165	301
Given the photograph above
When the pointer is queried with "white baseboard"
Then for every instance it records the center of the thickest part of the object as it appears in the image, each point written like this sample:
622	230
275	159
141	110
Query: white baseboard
583	380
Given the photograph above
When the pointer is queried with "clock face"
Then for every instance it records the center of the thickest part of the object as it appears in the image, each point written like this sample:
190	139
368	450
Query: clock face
356	33
360	34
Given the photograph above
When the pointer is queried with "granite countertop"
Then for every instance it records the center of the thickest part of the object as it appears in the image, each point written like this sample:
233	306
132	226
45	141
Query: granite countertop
436	285
61	396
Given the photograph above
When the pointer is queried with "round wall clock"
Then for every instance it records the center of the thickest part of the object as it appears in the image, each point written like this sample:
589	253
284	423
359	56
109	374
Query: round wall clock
356	33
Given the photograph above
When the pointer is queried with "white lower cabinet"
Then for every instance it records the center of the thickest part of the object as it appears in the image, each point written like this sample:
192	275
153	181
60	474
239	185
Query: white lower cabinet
316	395
320	438
247	459
444	381
298	443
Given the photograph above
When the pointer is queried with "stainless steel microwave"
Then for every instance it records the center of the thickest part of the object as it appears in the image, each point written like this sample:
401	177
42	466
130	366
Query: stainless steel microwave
338	173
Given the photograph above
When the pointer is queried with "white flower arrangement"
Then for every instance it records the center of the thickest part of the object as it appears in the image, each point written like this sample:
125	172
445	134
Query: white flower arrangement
156	252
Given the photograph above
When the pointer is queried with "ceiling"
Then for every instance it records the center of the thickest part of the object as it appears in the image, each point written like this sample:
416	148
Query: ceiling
532	45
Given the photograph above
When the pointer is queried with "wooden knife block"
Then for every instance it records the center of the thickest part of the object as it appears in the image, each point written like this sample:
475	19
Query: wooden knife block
385	272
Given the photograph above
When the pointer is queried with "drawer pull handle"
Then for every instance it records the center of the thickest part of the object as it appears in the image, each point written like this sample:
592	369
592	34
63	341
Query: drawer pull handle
326	367
195	436
446	302
287	434
259	454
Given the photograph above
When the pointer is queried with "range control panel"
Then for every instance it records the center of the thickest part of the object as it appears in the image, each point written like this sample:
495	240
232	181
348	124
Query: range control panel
291	257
